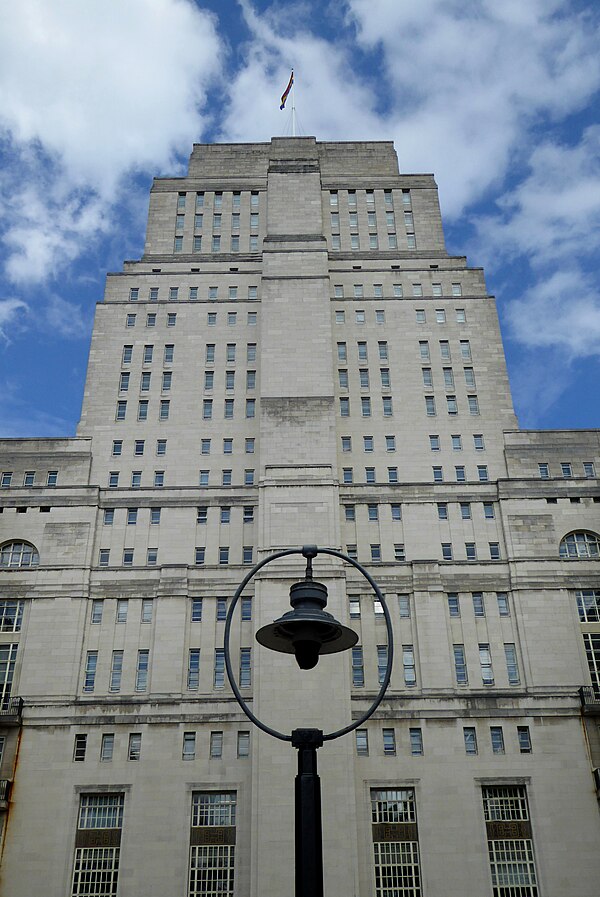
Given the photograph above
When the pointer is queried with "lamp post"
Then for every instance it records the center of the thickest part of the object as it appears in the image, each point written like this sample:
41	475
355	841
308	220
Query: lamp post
308	631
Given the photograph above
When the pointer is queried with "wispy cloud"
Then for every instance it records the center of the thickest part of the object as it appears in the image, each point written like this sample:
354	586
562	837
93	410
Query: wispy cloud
10	311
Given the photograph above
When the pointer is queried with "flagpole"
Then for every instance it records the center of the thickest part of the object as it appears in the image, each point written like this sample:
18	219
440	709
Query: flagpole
294	105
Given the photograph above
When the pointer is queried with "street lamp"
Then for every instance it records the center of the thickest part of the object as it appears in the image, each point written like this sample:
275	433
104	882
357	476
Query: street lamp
308	631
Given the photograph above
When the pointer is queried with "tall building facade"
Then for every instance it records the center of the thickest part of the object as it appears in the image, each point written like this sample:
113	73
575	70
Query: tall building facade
297	359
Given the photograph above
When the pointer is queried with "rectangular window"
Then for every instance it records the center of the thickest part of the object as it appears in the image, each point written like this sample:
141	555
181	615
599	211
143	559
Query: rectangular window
465	506
396	861
96	867
375	553
246	609
471	551
478	605
79	748
199	556
494	551
116	671
446	551
243	744
470	738
358	669
497	739
8	657
488	510
216	744
245	667
460	664
193	670
196	610
510	844
389	741
399	552
588	605
107	747
524	739
408	664
188	751
141	670
362	742
512	666
382	659
97	608
219	669
453	604
416	741
485	662
135	746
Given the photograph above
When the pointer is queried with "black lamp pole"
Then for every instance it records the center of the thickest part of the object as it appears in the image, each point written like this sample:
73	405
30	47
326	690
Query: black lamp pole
308	631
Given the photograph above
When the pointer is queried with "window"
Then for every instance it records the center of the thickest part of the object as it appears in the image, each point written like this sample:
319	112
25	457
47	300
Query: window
390	443
465	508
247	554
362	742
383	350
380	316
120	415
130	321
349	512
79	748
392	474
151	320
341	351
512	863
116	670
365	406
589	469
138	447
470	738
488	510
245	667
142	409
453	604
375	553
588	605
188	751
91	663
388	409
135	746
223	556
369	474
438	474
146	615
452	404
103	557
408	663
446	551
351	552
250	405
524	739
430	406
151	557
485	661
424	350
471	551
164	409
122	609
171	319
497	739
228	409
416	741
199	556
459	471
399	552
434	443
196	610
473	404
494	551
132	516
216	745
123	387
193	670
358	669
249	478
460	664
448	378
389	741
442	510
107	747
8	620
248	514
141	672
96	868
347	475
465	349
136	479
243	744
246	609
404	606
362	351
478	605
249	445
148	352
478	442
219	669
440	315
566	470
427	378
127	353
512	667
396	511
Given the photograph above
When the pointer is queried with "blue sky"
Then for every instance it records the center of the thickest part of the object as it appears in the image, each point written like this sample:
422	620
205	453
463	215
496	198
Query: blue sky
500	100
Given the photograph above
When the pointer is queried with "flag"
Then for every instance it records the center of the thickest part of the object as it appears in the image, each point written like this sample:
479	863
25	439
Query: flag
285	93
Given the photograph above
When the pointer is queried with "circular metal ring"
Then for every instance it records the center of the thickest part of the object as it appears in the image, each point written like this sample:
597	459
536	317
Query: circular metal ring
388	623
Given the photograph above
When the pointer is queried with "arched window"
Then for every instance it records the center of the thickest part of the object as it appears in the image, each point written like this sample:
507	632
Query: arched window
18	554
580	544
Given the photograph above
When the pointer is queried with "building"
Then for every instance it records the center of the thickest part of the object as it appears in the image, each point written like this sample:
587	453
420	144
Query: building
296	358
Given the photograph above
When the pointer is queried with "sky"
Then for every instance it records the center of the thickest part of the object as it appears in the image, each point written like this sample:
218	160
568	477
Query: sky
500	100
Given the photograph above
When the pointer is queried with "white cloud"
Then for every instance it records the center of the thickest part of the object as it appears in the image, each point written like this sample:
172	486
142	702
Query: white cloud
66	318
88	92
10	309
561	310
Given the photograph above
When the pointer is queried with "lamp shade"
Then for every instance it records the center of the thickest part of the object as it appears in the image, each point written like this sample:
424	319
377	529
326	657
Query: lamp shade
308	630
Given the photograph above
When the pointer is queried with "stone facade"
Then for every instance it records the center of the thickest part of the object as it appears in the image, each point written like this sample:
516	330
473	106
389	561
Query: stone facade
296	358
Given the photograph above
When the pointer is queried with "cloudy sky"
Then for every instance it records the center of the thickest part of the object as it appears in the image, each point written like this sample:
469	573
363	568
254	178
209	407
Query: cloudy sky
498	98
